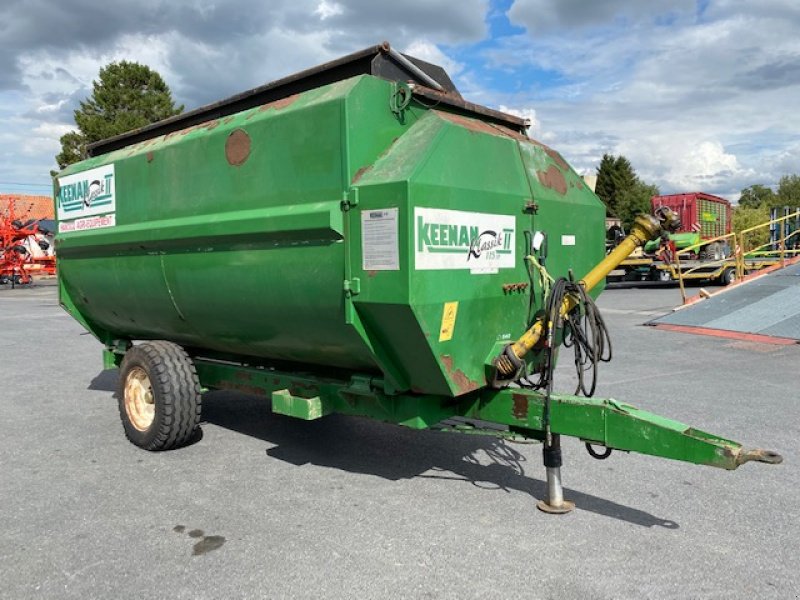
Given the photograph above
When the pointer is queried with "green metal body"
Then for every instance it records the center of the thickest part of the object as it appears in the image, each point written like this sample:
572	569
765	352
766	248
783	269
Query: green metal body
263	259
335	251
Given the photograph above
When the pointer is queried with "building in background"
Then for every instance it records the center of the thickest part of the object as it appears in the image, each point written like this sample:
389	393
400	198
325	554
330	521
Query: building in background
28	207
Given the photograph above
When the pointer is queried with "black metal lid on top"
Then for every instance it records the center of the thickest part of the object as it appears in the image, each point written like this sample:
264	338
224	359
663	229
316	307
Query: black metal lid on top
381	61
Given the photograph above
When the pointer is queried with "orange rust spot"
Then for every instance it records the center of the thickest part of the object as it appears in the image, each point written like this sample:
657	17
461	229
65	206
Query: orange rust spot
478	126
372	273
520	408
463	383
360	173
559	160
279	104
237	147
150	156
554	179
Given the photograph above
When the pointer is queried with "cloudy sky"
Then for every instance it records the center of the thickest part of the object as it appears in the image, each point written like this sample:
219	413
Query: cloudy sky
699	95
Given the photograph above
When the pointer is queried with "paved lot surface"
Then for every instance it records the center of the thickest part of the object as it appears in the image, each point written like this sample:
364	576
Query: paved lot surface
767	305
268	507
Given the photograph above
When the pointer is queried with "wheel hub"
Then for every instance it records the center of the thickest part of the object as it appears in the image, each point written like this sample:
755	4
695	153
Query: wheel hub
139	400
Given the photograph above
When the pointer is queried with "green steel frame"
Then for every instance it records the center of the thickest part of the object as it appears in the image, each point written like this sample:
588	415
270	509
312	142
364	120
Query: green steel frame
602	422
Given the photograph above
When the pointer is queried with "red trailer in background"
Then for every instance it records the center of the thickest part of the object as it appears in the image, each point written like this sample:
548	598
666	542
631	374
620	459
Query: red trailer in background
703	217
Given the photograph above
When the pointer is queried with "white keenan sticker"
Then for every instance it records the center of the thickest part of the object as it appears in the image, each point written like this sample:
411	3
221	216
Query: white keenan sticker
455	239
379	246
87	223
87	193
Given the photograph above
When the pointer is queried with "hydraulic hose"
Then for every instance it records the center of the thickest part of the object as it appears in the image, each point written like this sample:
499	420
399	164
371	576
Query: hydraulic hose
509	365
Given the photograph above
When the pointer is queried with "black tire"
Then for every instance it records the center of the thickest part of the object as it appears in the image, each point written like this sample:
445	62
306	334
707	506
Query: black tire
661	275
3	279
174	393
728	276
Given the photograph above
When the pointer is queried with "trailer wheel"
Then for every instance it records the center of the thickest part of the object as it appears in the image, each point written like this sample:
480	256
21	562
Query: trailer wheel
159	396
728	276
661	275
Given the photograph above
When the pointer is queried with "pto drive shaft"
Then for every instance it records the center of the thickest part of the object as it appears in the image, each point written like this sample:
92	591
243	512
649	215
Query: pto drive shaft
645	228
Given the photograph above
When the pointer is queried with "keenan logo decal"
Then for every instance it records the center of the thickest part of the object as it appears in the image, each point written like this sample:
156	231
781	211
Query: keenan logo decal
453	239
86	194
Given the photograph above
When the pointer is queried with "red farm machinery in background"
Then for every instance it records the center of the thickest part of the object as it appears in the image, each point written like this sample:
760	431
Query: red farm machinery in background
24	248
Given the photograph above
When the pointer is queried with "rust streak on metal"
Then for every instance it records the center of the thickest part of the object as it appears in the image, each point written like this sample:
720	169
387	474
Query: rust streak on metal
520	408
279	104
478	126
554	179
360	173
463	383
237	147
559	160
150	156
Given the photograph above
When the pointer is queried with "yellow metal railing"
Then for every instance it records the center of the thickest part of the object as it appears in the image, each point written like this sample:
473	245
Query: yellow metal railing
740	252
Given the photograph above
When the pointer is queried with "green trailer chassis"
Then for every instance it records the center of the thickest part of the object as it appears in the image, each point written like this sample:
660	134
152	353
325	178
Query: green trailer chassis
599	422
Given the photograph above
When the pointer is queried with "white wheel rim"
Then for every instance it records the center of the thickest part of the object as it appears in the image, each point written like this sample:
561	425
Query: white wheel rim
139	400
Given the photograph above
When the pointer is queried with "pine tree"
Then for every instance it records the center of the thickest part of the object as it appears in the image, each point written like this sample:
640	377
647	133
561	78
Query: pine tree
615	177
126	96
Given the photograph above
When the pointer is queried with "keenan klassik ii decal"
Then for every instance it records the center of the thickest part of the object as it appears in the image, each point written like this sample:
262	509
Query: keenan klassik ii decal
454	239
87	200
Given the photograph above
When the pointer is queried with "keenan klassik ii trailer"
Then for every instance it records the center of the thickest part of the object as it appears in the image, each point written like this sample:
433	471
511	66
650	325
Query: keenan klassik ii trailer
353	239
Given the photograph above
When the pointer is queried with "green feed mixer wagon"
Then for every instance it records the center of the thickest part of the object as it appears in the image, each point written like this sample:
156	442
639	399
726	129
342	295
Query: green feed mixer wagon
354	239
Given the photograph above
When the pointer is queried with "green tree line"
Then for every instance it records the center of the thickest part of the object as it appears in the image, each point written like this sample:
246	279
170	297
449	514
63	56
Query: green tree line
626	195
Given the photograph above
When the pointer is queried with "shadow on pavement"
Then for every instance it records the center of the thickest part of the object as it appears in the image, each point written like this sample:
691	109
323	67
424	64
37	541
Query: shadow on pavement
105	381
391	452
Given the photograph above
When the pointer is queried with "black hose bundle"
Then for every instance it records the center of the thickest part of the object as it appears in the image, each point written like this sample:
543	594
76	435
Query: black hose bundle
582	329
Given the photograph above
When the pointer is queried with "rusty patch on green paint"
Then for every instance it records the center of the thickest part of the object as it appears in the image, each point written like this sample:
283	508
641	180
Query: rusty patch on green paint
360	173
554	179
478	126
520	408
559	160
463	383
279	104
150	156
237	147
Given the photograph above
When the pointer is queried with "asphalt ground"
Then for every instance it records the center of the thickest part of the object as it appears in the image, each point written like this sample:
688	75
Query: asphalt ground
265	506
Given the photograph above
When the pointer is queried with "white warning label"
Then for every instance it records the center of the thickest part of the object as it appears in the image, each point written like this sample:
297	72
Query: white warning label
379	246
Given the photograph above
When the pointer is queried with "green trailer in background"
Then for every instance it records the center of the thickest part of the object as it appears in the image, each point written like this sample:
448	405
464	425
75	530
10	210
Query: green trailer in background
353	239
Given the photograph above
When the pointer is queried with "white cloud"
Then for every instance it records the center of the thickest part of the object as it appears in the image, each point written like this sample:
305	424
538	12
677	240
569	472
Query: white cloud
694	101
548	15
326	9
425	50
